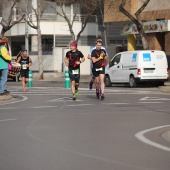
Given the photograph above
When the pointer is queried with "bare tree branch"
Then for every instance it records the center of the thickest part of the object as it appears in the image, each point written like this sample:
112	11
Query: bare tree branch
136	20
7	16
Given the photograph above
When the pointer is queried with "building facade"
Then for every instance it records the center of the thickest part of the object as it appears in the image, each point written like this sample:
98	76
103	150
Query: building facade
56	36
155	17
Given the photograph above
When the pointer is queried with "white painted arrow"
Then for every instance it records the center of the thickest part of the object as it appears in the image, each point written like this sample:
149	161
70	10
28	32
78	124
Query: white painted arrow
154	98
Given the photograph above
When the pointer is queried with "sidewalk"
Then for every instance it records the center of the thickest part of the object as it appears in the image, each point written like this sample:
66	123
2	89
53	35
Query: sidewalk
165	88
5	98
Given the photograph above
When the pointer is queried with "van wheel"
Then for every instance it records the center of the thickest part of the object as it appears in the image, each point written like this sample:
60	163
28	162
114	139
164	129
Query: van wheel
132	81
161	83
107	81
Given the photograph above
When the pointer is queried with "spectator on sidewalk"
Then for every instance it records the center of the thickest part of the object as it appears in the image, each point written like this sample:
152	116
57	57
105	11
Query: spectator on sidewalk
5	58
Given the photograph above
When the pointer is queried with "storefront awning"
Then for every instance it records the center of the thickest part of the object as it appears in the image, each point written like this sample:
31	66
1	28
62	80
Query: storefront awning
149	27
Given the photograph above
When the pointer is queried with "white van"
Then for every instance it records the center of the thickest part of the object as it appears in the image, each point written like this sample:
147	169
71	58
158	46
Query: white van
134	67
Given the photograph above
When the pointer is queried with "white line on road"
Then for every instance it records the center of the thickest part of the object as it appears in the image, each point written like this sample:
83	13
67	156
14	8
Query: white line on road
8	108
141	137
63	99
39	107
24	98
150	102
154	98
81	105
116	103
4	120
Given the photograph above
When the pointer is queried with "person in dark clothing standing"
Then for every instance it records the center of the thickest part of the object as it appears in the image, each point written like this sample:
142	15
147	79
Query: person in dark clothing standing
25	62
73	59
99	59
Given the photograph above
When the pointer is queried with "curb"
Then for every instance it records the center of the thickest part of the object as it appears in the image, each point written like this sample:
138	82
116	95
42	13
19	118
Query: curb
5	98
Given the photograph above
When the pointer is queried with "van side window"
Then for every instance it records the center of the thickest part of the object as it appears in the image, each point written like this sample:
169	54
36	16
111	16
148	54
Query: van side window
116	60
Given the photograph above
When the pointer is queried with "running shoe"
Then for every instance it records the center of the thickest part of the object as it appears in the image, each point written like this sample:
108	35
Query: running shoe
102	96
74	96
6	91
97	93
90	85
76	92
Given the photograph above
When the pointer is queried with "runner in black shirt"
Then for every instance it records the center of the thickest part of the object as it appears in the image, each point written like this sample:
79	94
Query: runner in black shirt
72	60
99	58
25	62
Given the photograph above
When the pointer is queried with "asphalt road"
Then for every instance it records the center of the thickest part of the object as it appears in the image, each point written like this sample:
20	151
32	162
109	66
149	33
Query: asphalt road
44	129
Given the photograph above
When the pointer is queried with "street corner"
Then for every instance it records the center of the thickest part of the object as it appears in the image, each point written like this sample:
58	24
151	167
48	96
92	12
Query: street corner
165	88
166	135
5	98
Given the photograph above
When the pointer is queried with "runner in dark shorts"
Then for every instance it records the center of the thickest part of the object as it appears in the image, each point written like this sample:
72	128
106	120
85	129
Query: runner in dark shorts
73	59
99	58
25	62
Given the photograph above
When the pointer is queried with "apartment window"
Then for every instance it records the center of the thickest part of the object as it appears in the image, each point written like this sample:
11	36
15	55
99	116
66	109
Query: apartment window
113	42
47	45
67	10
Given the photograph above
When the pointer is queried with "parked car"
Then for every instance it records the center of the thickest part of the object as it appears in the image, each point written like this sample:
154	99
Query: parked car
134	67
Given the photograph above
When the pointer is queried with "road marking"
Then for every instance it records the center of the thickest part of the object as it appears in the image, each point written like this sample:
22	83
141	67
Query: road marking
150	102
81	105
63	98
154	98
116	103
39	107
141	137
4	120
23	99
6	108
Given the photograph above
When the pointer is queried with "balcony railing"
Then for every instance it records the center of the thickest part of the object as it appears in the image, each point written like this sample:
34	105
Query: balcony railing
78	17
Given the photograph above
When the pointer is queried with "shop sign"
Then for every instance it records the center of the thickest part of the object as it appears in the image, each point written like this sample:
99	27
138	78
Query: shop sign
149	27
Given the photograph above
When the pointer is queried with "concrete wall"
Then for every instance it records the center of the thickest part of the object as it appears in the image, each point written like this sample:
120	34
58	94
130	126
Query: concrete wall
53	28
155	9
156	5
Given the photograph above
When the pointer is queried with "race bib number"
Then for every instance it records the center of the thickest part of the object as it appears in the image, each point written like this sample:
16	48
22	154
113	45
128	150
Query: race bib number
99	69
75	71
24	66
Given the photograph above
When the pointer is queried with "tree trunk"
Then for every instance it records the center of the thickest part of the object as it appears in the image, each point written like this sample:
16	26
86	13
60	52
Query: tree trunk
137	22
2	32
144	39
40	61
105	35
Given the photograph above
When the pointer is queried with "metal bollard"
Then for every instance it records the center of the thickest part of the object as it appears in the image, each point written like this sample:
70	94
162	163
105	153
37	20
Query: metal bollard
30	78
67	79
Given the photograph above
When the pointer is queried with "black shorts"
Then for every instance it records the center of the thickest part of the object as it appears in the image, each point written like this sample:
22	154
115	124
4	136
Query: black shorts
24	73
73	76
97	71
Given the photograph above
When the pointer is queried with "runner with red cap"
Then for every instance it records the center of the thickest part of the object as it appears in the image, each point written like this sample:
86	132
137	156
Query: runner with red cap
73	59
